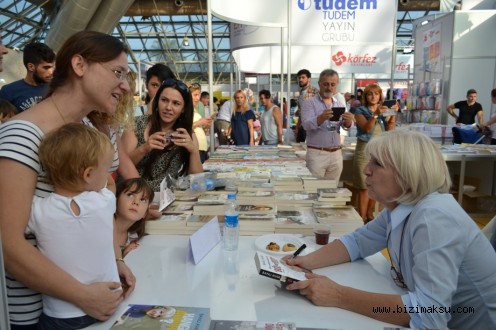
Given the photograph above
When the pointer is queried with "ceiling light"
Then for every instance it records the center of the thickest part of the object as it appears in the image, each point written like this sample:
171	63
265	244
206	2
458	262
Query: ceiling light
407	50
424	22
185	41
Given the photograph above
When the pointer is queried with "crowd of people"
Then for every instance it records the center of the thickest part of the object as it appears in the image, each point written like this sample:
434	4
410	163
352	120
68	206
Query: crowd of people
80	167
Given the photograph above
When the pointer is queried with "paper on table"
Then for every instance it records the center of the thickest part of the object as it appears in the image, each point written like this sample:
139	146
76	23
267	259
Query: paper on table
204	240
166	195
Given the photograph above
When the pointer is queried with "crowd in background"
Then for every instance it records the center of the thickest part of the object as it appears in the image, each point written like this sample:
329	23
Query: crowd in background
68	134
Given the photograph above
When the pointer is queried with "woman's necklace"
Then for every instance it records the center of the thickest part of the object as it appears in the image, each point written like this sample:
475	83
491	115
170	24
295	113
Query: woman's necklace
57	108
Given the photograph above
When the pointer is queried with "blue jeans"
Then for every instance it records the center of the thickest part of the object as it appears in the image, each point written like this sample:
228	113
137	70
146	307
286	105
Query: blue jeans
52	323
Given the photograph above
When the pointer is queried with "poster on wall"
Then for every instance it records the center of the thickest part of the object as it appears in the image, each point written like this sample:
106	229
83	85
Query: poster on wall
341	22
432	49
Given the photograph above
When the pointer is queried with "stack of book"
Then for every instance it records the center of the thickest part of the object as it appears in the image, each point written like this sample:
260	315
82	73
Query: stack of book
295	219
296	197
255	197
168	224
210	203
343	220
256	218
288	182
254	186
334	196
312	184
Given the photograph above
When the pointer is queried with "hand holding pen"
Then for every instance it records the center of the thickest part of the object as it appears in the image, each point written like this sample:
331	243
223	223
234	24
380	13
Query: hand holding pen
297	252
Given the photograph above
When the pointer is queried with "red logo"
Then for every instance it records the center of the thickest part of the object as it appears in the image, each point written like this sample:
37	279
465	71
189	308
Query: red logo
356	60
339	58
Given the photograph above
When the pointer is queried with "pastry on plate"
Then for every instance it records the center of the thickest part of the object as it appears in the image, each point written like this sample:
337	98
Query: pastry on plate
273	246
289	247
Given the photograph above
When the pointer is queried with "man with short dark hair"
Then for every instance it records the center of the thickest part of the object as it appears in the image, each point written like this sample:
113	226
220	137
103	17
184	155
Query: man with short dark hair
307	91
271	120
324	158
39	61
467	110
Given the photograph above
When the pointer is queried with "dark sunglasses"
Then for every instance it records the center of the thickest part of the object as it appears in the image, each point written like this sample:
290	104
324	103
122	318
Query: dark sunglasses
175	83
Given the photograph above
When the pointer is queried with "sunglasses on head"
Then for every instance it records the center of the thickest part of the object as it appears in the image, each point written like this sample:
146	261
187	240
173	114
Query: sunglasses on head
175	83
195	85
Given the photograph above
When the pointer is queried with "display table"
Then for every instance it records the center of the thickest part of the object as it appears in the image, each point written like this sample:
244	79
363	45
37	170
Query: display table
229	285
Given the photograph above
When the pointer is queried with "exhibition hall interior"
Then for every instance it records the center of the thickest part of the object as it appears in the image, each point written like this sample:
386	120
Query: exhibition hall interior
223	162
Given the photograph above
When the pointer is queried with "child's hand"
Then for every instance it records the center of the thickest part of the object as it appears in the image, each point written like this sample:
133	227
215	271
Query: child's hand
132	246
153	212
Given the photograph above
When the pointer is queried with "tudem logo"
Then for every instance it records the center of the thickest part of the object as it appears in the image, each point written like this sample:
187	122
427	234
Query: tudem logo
338	4
304	4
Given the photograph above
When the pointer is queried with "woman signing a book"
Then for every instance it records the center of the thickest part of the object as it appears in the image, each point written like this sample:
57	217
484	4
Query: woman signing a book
164	145
440	258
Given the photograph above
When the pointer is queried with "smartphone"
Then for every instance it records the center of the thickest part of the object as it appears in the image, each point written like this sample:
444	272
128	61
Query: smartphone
337	112
389	103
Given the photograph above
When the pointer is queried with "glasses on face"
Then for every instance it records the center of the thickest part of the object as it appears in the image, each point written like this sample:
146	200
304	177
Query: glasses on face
175	83
119	73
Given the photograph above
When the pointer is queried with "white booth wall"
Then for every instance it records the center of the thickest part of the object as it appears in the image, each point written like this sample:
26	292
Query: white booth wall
467	60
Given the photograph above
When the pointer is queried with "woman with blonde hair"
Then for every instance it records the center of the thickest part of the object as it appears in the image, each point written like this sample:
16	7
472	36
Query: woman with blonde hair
241	130
442	260
369	122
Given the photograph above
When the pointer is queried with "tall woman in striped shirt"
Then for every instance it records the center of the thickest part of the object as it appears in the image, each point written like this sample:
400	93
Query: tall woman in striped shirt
91	74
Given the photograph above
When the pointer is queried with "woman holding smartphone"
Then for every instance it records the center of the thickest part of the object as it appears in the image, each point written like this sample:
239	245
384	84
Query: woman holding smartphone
370	122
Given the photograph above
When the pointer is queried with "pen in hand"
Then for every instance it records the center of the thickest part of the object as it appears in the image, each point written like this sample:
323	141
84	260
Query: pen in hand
297	252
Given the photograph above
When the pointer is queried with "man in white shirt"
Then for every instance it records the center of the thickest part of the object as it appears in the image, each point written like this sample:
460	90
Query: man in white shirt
223	122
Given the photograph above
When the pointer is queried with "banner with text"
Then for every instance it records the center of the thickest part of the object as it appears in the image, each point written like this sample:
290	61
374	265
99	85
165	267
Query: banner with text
343	22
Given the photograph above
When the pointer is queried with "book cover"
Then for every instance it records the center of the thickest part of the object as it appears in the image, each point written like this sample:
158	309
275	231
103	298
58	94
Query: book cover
255	196
334	192
272	267
178	207
212	198
255	208
296	197
250	325
148	317
254	186
324	214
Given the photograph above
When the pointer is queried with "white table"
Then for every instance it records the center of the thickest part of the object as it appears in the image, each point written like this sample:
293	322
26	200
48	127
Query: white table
229	284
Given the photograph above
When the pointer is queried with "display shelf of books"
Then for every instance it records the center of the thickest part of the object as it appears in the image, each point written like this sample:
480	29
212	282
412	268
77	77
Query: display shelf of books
275	195
425	103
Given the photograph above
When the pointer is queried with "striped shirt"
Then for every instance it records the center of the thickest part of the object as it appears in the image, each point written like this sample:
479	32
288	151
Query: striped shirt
20	141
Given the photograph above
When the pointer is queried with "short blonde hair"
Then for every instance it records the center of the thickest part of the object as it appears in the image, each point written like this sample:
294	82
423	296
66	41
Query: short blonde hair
418	164
68	150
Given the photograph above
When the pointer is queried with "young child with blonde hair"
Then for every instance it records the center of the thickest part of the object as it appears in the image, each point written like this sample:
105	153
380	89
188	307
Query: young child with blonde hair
73	225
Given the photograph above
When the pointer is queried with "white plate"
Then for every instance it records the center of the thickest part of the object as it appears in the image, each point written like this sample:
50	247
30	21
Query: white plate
281	239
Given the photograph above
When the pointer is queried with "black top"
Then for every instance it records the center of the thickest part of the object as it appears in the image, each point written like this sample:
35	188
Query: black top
467	112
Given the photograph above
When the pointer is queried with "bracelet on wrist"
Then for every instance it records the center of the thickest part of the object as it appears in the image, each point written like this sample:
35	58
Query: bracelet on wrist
119	259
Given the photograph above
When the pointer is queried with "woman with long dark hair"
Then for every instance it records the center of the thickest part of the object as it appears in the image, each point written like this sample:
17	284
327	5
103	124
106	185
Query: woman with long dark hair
164	145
